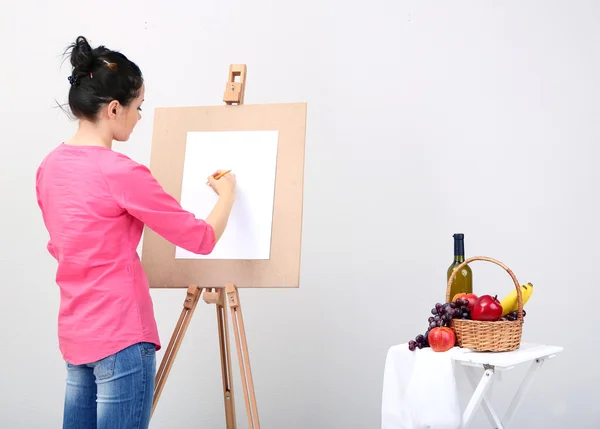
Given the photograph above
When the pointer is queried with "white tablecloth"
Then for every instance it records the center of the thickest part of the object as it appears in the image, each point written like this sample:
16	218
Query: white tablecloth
419	389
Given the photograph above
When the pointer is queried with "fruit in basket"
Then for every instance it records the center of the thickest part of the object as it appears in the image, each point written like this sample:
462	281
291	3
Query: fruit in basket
461	309
441	339
510	302
487	308
511	317
471	297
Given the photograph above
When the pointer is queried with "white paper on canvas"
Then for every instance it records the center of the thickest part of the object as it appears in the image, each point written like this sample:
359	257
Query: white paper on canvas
252	157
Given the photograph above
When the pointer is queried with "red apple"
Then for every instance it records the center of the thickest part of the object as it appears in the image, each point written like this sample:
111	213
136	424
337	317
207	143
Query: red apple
458	296
470	297
441	339
487	308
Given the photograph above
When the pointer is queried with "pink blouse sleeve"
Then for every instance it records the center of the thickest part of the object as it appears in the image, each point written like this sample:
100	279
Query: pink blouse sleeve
137	191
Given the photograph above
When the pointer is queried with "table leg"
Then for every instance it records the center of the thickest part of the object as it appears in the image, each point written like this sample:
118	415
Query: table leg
525	385
478	396
495	421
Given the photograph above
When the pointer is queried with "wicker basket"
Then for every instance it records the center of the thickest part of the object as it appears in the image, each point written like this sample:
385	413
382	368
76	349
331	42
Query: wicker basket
499	336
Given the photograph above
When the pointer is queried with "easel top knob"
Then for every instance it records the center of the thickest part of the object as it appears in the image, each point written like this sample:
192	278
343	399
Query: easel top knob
234	90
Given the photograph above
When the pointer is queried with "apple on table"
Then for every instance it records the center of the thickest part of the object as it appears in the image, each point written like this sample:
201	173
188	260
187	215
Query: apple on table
441	339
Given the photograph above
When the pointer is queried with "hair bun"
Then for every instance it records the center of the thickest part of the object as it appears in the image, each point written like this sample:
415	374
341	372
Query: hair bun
82	56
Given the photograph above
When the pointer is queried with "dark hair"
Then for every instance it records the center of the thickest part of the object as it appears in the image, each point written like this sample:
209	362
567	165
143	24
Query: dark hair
100	76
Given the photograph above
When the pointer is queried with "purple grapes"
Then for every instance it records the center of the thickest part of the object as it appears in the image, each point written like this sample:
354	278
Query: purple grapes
442	315
461	309
513	316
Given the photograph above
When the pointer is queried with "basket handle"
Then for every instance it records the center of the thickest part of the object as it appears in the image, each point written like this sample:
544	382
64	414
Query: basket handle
508	270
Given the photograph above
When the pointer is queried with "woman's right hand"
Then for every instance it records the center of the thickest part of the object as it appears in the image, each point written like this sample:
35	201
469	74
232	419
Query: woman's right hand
225	189
225	186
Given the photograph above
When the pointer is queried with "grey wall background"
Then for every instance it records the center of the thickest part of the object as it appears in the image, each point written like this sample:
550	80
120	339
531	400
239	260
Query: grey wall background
425	119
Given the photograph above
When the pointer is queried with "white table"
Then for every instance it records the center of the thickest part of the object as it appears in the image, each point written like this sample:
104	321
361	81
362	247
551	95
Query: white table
481	369
533	354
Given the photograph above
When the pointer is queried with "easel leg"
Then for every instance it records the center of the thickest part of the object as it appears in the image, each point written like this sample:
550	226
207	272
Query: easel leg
218	298
243	356
189	306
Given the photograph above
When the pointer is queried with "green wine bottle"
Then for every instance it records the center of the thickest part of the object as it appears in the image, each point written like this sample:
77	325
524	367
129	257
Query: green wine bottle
463	281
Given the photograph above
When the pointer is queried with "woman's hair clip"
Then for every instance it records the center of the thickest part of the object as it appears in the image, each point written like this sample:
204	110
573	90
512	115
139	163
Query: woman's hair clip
73	79
112	66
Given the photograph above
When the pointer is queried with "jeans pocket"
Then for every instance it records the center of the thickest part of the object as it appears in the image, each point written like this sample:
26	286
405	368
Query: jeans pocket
105	368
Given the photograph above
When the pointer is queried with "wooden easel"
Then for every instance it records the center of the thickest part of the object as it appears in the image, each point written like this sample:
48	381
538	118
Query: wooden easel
234	94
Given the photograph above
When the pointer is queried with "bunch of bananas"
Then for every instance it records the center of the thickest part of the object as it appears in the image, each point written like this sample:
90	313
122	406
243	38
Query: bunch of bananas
510	302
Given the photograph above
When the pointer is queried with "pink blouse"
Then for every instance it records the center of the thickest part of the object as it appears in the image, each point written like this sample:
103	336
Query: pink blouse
94	203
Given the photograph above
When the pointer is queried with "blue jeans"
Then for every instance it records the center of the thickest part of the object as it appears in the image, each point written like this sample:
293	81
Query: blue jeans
113	393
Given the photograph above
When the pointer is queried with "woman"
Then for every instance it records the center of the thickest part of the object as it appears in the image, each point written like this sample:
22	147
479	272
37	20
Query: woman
94	202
